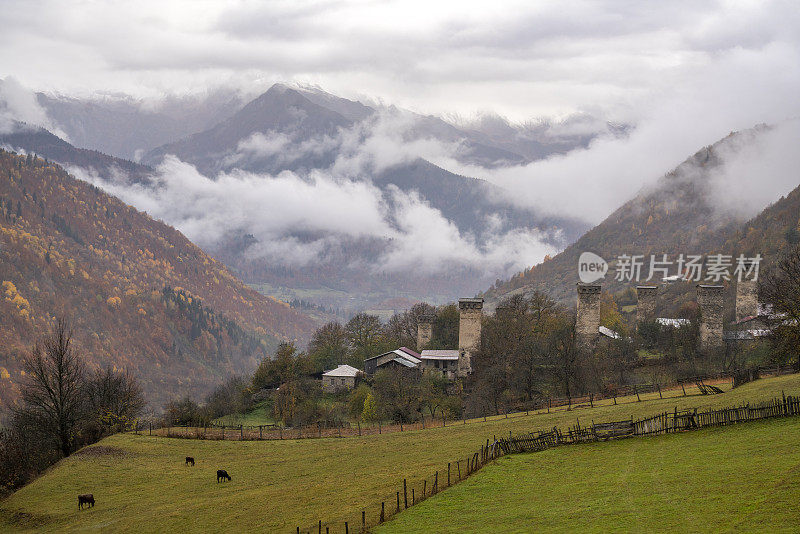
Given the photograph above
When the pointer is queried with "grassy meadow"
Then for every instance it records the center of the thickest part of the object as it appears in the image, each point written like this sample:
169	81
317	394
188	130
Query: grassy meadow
737	478
141	484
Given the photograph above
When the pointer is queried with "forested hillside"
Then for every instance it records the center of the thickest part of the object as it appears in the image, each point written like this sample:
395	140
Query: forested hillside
138	294
678	215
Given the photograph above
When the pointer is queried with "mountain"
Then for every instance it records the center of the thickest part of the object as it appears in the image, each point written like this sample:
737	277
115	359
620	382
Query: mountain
139	295
279	110
681	214
305	131
306	115
31	139
124	127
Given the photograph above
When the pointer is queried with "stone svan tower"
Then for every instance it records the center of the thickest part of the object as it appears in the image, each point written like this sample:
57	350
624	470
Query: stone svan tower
424	330
646	303
588	315
710	301
746	298
469	332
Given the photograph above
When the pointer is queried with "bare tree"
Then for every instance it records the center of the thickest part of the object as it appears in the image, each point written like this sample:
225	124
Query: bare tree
780	287
53	396
564	352
115	399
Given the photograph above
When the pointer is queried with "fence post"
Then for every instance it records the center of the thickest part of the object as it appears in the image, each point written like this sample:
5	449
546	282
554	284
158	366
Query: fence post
383	513
223	432
424	488
405	494
320	526
398	501
150	432
684	389
241	432
591	400
401	424
659	391
549	402
458	466
379	426
448	474
359	427
260	432
346	528
636	390
413	500
615	398
363	520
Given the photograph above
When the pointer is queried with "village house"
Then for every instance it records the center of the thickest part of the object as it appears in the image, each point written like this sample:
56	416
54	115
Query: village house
443	361
343	377
451	363
402	357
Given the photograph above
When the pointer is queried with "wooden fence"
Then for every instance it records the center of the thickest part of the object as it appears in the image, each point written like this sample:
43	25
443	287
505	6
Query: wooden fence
409	494
353	429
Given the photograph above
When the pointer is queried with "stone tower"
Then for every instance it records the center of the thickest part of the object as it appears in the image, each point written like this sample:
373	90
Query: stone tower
588	316
424	329
746	298
710	301
645	303
469	332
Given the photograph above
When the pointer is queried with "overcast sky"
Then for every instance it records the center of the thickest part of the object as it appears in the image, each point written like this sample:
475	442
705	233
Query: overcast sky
520	59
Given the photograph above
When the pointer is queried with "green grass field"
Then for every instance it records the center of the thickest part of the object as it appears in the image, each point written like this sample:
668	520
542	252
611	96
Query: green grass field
141	484
737	478
256	416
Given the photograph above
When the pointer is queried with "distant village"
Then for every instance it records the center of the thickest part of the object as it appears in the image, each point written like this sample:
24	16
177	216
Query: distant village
750	324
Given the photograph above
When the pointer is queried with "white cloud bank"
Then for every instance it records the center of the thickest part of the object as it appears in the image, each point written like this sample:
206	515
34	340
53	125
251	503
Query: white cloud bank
282	211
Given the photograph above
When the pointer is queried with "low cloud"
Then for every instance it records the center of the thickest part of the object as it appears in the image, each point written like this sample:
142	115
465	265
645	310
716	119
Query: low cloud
18	105
728	95
300	219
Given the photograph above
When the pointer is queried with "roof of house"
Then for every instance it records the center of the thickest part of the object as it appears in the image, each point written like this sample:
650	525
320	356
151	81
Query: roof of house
668	321
746	334
342	371
403	352
608	332
439	355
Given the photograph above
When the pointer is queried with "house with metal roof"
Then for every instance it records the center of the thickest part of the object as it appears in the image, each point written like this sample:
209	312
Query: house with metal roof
443	361
402	357
343	377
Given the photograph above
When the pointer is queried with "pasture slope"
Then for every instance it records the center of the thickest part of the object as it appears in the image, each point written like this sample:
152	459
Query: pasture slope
737	478
142	485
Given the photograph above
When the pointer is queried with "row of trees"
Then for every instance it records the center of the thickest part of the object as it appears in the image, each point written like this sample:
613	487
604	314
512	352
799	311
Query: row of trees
64	406
365	336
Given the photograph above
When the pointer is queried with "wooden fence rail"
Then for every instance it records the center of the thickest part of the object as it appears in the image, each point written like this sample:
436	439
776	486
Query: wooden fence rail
665	422
214	431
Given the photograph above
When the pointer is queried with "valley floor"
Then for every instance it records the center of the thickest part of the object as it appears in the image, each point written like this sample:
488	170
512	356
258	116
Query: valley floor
141	484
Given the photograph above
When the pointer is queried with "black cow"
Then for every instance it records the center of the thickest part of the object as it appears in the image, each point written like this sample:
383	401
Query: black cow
190	461
222	475
86	498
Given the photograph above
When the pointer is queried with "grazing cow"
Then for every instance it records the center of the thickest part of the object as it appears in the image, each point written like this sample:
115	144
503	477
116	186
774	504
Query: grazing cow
222	475
190	460
86	498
